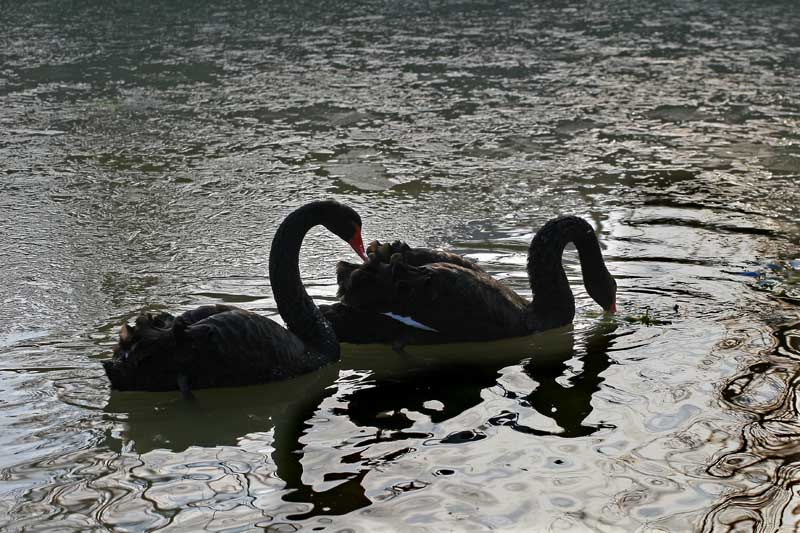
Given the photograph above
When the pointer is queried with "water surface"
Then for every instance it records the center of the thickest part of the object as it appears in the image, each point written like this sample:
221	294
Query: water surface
148	152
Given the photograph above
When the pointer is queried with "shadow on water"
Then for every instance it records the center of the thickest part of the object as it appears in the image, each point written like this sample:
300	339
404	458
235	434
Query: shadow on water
218	417
381	401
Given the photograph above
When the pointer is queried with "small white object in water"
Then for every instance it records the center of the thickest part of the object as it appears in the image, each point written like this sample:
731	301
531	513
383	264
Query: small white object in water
408	321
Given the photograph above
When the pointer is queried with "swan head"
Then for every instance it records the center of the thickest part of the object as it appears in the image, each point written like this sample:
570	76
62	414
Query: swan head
345	223
603	290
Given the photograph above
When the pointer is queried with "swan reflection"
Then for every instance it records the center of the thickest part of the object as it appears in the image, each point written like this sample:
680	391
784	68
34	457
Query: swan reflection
378	396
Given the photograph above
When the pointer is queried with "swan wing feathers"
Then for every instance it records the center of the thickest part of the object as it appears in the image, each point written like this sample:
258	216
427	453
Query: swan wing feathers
214	345
368	327
457	302
426	256
417	256
237	346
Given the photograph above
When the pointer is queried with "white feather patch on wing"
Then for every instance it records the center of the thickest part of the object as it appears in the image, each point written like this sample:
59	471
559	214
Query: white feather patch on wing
408	321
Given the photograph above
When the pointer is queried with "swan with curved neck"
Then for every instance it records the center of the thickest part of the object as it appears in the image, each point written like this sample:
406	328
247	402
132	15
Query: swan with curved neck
221	345
445	300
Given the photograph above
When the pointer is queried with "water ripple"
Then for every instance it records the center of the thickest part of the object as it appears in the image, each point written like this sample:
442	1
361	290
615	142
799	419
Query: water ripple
147	154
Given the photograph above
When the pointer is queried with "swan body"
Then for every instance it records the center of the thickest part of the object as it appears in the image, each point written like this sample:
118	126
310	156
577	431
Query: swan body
222	345
462	303
210	346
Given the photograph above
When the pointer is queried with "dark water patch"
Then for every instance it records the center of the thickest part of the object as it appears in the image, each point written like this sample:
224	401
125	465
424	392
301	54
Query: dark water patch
677	113
392	436
678	203
739	114
320	115
662	260
229	298
783	164
462	437
569	127
668	221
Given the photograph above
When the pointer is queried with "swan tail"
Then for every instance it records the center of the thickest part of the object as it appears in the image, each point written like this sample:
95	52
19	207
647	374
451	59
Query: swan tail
146	345
385	253
151	353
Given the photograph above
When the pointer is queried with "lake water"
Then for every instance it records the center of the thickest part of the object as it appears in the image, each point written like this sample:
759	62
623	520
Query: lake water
148	152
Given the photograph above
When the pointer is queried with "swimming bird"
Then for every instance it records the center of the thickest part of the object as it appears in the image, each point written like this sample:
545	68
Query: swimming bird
221	345
419	296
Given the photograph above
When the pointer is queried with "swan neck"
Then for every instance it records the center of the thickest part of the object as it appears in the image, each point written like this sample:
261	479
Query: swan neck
295	306
553	303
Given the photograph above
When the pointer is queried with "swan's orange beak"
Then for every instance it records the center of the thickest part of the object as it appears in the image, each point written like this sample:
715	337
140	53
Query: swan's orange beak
357	244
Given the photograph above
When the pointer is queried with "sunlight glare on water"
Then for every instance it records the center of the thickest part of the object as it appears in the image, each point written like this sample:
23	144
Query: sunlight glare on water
148	152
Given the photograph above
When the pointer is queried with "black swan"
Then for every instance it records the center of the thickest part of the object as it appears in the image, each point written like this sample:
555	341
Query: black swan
221	345
442	297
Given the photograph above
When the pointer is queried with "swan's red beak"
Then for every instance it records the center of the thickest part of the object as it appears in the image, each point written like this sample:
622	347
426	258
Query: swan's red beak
357	244
613	308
